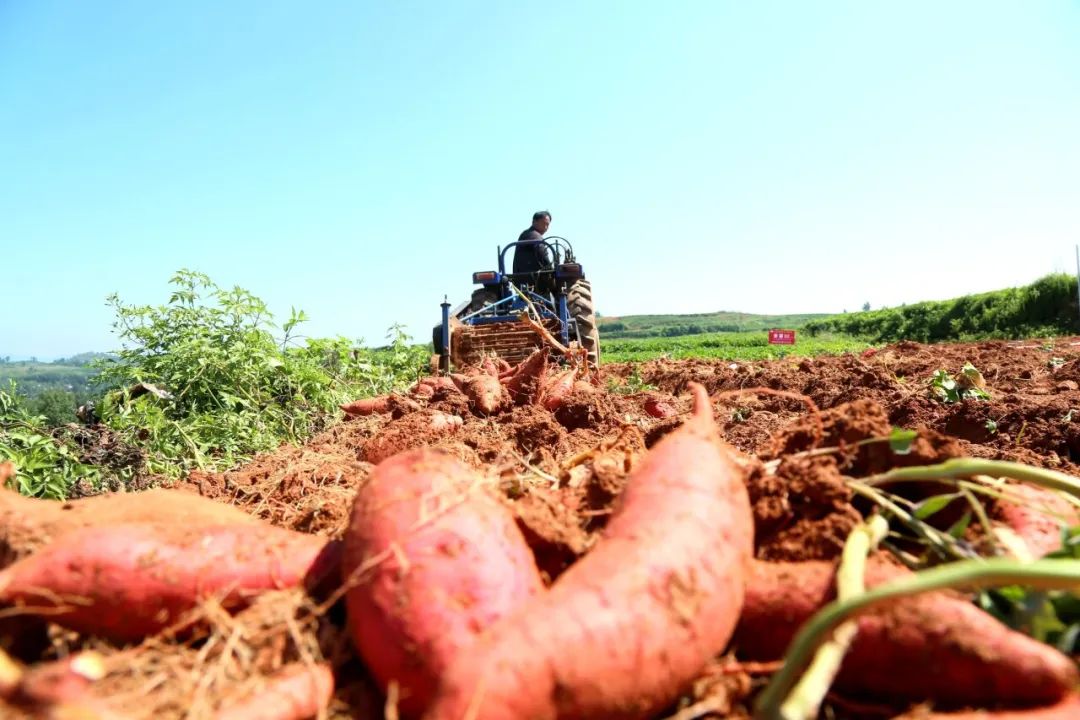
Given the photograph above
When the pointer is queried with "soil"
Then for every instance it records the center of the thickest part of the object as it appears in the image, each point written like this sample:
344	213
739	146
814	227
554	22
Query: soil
807	426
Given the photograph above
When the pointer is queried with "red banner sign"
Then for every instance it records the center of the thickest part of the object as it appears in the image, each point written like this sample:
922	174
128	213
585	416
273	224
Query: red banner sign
781	337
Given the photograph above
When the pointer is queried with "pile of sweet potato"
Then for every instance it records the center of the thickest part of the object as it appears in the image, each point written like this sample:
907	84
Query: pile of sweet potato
444	605
490	387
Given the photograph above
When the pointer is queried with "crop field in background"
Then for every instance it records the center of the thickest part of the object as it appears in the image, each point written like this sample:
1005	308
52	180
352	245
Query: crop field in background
725	346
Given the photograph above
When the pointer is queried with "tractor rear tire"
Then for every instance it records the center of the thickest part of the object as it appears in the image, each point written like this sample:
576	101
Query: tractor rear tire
579	302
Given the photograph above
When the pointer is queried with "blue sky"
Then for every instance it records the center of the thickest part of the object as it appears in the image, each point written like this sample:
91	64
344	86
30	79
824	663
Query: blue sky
359	160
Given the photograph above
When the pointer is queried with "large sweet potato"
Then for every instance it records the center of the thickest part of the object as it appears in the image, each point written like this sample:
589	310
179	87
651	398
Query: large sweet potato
430	561
486	394
128	581
632	623
27	524
523	382
936	646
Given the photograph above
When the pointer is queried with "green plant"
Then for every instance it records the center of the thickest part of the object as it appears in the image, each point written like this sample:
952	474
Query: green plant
968	384
991	427
1055	362
630	385
45	466
230	387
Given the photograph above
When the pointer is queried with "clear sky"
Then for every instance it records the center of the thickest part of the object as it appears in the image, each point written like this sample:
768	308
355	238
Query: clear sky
360	159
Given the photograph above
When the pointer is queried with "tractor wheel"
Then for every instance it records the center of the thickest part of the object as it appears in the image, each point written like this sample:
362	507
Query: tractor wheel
481	297
579	302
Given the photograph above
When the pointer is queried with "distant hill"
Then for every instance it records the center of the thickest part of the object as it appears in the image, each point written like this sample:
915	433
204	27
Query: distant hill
67	374
646	326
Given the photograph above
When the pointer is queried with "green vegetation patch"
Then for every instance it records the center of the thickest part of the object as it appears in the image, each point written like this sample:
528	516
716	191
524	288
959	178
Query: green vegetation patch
725	346
1046	307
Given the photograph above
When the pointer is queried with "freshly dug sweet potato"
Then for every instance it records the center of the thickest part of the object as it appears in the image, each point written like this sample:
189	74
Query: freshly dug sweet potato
936	646
486	394
523	382
1067	709
125	582
296	692
367	406
431	560
1038	519
50	683
632	623
555	387
658	408
27	524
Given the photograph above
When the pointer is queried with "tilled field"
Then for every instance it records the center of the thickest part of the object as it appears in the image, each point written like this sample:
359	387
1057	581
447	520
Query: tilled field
804	429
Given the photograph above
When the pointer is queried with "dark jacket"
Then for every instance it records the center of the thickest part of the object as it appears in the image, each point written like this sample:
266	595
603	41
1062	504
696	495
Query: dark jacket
530	258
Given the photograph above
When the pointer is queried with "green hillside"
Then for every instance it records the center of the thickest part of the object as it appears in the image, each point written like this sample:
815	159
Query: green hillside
1046	307
646	326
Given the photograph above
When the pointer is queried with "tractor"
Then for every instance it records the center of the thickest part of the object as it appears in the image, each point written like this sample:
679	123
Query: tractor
501	318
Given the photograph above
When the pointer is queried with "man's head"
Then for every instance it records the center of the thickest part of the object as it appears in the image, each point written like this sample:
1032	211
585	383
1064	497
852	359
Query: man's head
541	221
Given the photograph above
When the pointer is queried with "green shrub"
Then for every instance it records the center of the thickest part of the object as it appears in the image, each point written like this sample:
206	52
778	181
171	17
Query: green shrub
1047	306
226	388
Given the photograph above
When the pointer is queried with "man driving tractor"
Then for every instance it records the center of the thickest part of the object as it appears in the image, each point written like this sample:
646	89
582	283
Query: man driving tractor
534	257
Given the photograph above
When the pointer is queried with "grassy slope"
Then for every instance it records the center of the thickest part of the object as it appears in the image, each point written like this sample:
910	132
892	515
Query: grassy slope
640	326
726	346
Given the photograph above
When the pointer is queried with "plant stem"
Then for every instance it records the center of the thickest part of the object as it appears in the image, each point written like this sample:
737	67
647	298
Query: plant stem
967	467
805	699
1041	574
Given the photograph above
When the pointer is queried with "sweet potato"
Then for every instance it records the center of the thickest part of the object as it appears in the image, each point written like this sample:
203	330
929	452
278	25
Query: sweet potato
524	381
554	389
1067	709
431	560
367	406
486	394
442	422
296	692
125	582
488	367
422	390
658	408
27	524
51	683
1038	519
633	622
936	646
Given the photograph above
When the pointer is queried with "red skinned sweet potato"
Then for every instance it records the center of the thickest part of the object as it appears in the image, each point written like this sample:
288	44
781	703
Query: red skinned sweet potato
27	524
296	692
422	390
632	623
1038	518
935	646
443	561
488	367
658	408
524	381
486	394
555	388
125	582
1067	709
367	406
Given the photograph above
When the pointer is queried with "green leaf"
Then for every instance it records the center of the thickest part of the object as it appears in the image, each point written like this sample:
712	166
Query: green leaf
934	504
958	528
900	440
